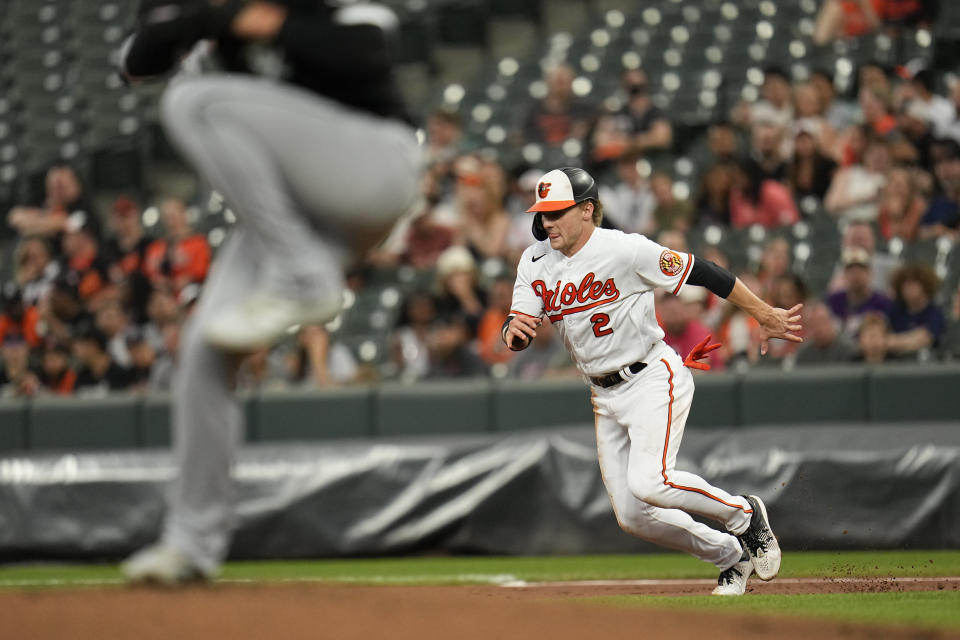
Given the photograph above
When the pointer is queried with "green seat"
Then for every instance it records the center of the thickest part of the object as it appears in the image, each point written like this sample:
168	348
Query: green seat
312	414
84	423
433	408
546	403
13	426
835	394
908	393
716	401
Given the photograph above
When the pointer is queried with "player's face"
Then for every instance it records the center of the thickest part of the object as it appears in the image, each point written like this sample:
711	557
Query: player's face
568	230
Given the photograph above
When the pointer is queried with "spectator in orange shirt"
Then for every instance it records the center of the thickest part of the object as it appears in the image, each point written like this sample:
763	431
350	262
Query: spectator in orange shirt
85	266
180	258
491	346
16	319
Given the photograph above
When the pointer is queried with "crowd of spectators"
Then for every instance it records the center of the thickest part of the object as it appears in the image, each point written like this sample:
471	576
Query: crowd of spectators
95	303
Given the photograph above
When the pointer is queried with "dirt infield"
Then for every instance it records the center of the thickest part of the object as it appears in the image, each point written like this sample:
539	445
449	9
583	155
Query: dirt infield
292	611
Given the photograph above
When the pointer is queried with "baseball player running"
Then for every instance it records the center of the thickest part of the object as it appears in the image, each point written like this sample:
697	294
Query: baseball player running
303	134
596	286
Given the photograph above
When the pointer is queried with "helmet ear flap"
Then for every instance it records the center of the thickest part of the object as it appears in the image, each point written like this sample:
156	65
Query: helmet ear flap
538	231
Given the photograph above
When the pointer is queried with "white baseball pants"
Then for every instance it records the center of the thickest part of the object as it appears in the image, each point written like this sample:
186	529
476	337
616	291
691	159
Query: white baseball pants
305	176
640	425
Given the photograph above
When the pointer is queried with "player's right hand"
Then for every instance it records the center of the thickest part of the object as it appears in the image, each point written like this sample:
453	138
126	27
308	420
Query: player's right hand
521	331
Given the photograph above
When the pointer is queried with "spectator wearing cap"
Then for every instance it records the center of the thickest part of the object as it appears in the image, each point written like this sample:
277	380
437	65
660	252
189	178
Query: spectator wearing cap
882	265
56	374
98	373
18	321
942	217
16	378
458	293
917	323
824	344
858	296
854	194
181	257
638	128
84	263
560	115
35	269
126	248
63	196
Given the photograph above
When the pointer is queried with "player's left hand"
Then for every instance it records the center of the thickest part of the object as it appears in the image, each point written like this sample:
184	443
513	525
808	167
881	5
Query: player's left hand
780	323
699	352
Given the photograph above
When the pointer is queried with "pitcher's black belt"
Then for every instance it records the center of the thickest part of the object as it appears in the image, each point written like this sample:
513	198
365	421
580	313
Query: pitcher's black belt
616	377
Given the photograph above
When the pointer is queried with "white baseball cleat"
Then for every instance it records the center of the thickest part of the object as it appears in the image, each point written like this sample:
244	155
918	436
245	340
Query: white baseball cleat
263	317
162	564
733	581
760	543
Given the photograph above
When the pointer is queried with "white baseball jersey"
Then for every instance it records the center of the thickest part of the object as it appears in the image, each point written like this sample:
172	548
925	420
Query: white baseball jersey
601	300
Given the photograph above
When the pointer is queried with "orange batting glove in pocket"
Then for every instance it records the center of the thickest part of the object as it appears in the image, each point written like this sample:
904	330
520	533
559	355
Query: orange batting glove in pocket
700	352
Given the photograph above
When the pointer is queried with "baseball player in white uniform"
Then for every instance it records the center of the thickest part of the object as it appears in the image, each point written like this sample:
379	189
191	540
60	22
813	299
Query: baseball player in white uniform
596	286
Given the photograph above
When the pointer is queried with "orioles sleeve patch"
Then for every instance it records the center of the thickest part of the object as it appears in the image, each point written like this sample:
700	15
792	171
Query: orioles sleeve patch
670	263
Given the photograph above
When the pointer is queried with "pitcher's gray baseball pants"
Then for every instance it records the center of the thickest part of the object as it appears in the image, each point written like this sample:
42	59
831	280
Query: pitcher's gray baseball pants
303	175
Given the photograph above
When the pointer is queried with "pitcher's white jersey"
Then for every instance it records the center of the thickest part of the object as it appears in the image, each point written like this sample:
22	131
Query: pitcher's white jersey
602	299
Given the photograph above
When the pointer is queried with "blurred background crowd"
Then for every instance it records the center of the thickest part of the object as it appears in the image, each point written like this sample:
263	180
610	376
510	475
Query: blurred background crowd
813	149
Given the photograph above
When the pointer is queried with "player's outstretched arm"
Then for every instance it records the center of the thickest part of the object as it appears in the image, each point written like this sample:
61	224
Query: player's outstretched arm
774	322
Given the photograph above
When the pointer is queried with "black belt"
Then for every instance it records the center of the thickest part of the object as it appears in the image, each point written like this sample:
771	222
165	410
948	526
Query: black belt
616	377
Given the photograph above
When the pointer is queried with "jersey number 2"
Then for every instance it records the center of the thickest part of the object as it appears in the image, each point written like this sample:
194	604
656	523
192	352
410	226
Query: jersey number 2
600	327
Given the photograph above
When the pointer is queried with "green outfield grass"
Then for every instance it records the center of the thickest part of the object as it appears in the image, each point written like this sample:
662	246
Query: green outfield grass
922	609
482	569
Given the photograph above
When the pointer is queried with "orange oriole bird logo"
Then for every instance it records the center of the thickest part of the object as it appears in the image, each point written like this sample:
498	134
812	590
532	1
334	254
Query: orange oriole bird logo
543	189
670	263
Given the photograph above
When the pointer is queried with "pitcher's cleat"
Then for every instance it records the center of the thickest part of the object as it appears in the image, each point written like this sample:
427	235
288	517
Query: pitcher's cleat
758	540
161	564
263	317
